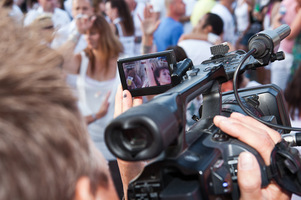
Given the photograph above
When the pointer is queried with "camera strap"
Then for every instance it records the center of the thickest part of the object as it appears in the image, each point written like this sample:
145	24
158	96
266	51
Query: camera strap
285	167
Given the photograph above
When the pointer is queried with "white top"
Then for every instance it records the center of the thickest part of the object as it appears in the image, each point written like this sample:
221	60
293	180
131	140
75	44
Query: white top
128	42
61	36
241	16
229	25
59	17
91	94
68	7
138	11
196	50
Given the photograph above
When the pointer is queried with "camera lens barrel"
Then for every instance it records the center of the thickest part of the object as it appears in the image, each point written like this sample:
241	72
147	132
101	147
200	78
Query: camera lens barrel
141	134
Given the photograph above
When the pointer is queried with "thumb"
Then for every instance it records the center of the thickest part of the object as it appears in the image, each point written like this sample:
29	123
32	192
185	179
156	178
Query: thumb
248	176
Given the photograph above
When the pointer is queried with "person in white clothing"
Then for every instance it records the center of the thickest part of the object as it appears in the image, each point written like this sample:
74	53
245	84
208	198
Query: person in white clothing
97	70
59	16
225	11
80	9
199	50
122	24
137	9
96	84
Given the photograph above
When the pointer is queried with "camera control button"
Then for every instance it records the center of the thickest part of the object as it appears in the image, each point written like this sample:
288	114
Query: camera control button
219	136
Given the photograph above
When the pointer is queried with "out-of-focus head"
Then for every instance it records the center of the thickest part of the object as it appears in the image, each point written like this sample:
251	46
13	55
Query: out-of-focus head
48	5
210	23
176	7
45	149
100	37
101	34
119	9
84	7
111	12
44	25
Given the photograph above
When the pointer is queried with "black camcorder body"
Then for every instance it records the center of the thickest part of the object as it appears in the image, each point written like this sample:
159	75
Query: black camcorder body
207	168
200	163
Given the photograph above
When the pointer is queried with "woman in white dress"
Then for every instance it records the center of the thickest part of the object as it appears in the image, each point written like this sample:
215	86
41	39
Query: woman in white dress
97	82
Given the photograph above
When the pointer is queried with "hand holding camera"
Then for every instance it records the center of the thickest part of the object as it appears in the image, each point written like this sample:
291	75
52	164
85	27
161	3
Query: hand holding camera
263	139
207	161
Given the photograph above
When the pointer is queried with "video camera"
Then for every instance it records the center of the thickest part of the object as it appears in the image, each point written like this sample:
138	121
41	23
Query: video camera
202	162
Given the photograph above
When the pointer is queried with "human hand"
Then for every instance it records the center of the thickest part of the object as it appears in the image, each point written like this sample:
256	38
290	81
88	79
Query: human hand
150	22
128	170
261	138
84	22
124	101
104	106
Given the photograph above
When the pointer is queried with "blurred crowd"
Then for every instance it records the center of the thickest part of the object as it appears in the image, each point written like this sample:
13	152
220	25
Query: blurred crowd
91	35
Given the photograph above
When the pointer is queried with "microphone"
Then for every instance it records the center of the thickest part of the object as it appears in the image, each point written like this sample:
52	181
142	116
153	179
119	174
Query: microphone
267	42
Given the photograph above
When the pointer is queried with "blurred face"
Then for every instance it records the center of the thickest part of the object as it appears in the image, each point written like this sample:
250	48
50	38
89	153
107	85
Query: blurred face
179	7
111	12
82	7
164	77
48	5
92	37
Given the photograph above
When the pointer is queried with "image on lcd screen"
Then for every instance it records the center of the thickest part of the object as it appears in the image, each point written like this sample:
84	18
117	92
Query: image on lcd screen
145	73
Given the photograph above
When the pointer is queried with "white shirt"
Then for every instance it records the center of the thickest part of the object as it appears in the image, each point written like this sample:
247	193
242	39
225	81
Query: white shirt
59	17
242	15
91	93
61	36
229	25
68	7
196	50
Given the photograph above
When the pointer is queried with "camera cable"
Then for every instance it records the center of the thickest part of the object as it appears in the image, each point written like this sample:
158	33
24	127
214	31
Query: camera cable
247	111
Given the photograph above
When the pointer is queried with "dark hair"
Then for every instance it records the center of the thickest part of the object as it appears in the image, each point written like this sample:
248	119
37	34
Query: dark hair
125	14
179	52
216	22
292	94
157	73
